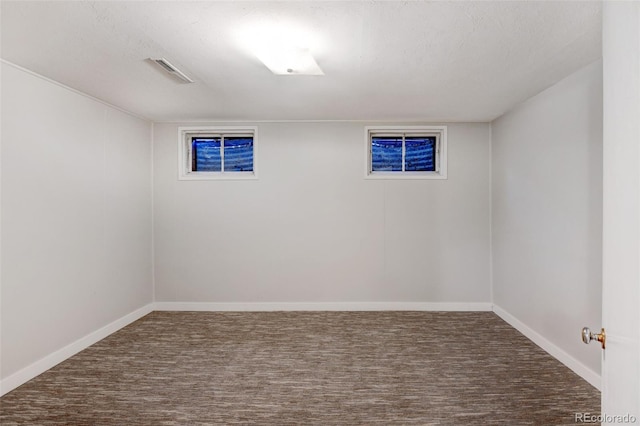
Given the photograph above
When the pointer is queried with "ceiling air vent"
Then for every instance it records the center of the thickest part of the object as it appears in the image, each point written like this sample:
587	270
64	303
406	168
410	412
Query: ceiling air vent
172	69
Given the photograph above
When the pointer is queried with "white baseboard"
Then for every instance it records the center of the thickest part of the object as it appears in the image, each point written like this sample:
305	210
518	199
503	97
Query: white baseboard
322	306
20	377
576	366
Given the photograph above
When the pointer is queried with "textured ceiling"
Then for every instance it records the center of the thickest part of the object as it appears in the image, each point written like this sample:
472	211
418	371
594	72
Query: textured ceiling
433	61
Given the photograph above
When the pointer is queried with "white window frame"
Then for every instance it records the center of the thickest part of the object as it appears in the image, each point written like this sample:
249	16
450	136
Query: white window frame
439	132
185	150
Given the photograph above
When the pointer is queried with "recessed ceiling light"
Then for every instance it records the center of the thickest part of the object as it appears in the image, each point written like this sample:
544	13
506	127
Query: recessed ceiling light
284	49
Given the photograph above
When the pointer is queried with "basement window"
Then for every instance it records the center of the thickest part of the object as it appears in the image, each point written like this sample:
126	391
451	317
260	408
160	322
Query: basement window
407	152
210	153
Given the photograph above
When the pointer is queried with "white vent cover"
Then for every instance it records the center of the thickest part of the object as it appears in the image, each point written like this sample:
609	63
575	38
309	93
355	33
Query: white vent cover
167	66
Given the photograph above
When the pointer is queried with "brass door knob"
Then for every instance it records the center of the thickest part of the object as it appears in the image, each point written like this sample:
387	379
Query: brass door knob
588	336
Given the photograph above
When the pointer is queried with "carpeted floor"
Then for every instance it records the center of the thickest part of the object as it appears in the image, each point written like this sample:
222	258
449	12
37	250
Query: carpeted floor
307	368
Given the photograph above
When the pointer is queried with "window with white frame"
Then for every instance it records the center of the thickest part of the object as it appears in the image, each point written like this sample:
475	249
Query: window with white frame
406	152
217	152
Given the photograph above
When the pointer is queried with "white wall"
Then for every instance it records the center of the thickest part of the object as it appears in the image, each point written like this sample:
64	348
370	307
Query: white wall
547	212
312	229
76	209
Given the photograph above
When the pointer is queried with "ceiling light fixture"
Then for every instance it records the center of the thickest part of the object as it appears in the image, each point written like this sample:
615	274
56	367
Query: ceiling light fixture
171	69
289	61
284	49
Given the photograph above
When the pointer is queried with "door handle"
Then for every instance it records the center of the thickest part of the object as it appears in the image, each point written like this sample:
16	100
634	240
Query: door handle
588	336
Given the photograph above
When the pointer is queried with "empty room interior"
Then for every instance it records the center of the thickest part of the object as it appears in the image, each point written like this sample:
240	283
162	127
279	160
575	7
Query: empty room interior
345	212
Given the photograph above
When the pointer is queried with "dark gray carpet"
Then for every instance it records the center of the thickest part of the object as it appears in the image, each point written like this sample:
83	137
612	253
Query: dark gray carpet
302	368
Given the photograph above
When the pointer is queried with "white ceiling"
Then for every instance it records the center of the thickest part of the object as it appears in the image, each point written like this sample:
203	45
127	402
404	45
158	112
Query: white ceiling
409	60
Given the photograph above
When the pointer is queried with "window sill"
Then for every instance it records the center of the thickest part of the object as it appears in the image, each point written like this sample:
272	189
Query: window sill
219	176
405	175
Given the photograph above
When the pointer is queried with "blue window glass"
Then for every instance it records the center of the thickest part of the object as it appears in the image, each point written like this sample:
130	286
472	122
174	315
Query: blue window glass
206	155
419	155
238	154
386	154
